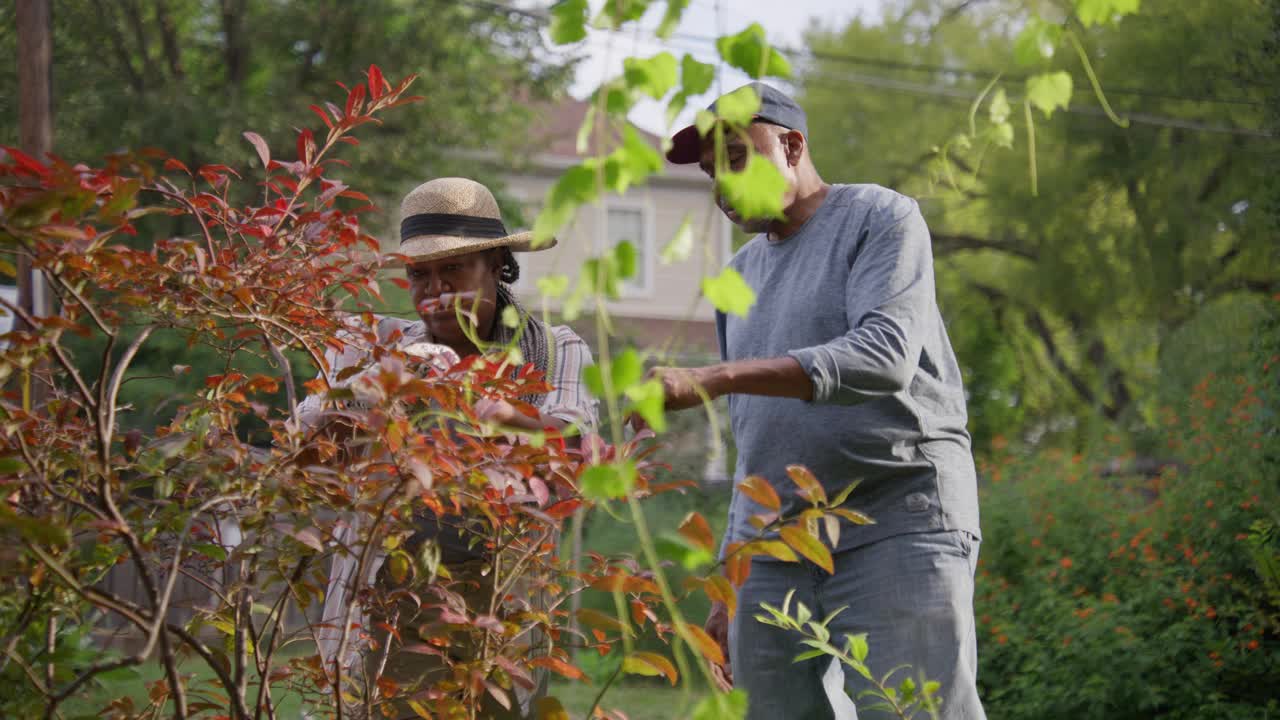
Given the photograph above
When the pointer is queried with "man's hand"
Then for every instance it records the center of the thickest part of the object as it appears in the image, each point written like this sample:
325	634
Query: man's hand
682	388
496	411
718	628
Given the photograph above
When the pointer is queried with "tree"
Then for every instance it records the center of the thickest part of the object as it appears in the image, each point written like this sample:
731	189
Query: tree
1116	238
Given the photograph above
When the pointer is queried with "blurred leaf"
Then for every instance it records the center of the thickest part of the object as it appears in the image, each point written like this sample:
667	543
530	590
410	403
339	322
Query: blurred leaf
729	293
739	107
648	400
654	76
631	163
998	109
1036	42
1100	12
681	245
613	480
624	257
722	706
702	642
576	187
553	286
549	708
756	191
650	664
750	52
1049	91
671	18
568	21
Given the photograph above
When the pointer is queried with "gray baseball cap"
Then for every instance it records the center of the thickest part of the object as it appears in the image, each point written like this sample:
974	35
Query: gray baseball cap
776	107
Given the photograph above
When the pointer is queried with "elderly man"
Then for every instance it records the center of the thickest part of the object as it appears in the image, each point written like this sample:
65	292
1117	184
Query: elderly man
845	348
459	262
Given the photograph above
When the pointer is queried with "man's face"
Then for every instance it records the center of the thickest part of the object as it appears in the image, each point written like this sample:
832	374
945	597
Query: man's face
440	288
778	145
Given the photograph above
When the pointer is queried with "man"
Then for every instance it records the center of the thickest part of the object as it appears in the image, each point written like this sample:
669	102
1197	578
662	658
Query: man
459	262
845	348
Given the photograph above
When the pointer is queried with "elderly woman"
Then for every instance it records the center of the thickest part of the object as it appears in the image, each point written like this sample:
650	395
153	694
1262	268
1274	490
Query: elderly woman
459	261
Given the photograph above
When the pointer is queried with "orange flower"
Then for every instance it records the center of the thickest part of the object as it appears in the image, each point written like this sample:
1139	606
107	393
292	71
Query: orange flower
1253	644
1110	598
1002	639
1066	563
1210	613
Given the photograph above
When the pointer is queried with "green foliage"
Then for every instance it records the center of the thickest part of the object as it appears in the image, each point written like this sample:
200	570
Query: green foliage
1127	596
1049	91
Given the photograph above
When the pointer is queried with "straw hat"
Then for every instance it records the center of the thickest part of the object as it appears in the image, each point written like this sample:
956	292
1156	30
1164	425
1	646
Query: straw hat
455	216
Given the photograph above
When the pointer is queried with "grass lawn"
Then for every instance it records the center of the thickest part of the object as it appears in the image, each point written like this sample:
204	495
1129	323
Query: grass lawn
648	701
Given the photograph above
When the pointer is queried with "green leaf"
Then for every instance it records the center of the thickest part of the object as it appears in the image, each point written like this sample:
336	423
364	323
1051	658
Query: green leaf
510	317
576	187
738	107
654	76
681	245
210	550
553	286
614	480
722	706
998	109
648	399
858	648
650	664
695	76
626	370
631	163
679	550
756	191
599	275
1002	135
1099	12
624	257
729	293
670	19
616	13
1037	42
568	21
1049	91
750	52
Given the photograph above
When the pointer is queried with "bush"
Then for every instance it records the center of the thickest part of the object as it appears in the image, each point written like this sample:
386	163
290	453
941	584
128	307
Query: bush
1109	595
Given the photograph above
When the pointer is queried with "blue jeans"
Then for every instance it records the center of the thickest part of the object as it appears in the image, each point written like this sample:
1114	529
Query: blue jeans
912	595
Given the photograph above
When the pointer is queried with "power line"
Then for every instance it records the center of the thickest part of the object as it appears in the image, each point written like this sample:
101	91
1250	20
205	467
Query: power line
934	90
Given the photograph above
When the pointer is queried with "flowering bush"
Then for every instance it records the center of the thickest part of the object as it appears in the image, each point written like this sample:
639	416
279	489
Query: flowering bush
1102	594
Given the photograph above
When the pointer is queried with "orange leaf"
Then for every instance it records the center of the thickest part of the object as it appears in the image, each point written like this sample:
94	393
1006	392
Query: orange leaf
853	516
559	667
810	488
738	567
650	664
808	546
695	529
709	648
719	590
759	489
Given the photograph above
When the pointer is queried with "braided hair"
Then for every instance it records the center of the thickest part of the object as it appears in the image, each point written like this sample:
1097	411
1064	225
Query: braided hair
531	335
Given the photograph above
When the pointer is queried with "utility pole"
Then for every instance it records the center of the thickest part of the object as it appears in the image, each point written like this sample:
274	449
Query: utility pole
35	119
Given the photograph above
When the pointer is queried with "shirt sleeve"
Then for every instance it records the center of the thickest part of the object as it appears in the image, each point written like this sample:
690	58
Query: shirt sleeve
569	399
891	308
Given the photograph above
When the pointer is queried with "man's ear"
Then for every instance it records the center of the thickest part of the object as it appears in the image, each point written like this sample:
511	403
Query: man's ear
793	141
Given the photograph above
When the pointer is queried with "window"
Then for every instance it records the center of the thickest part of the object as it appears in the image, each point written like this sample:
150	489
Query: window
629	224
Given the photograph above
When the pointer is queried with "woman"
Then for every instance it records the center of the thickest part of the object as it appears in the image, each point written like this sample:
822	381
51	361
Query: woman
459	261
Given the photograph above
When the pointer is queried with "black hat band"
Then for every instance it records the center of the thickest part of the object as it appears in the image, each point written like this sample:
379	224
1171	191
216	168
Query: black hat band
449	224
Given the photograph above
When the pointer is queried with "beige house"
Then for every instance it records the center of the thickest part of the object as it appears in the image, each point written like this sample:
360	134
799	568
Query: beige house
662	307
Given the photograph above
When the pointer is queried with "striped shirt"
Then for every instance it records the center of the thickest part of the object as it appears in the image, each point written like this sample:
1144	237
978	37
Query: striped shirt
568	401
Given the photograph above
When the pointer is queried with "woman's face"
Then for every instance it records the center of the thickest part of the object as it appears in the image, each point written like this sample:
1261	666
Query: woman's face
465	285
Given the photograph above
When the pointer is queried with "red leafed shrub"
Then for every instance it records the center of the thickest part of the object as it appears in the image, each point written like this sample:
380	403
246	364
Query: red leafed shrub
106	530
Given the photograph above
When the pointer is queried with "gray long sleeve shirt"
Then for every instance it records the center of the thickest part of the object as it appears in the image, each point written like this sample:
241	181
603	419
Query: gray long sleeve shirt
851	297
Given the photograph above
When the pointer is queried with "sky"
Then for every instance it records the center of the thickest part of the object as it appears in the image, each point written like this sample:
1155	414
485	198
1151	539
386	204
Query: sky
784	22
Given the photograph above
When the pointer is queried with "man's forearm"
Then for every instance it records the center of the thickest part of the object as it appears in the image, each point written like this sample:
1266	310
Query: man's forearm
774	377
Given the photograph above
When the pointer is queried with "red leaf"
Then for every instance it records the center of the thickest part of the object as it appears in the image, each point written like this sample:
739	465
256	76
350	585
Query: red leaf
354	98
25	161
316	109
400	283
176	164
348	140
564	508
376	83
